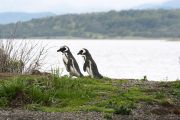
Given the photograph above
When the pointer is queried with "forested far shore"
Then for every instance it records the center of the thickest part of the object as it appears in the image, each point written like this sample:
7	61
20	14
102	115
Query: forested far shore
104	25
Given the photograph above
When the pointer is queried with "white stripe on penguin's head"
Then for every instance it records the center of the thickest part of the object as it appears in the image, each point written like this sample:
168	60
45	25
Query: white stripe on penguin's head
66	48
84	51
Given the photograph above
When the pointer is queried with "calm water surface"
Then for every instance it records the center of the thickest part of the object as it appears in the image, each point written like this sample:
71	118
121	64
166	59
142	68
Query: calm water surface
157	59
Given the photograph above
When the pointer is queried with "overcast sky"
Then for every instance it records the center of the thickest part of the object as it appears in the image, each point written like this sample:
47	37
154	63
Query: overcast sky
71	6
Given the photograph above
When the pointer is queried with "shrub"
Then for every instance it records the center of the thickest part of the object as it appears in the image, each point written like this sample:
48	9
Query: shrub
21	56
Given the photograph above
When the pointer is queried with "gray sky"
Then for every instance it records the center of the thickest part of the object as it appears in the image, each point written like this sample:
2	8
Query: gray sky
71	6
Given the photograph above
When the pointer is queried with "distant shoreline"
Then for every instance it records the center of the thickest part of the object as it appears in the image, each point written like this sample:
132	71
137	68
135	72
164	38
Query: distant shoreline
117	38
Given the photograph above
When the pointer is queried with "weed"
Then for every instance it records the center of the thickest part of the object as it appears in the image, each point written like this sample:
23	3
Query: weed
175	89
56	72
108	116
160	95
123	110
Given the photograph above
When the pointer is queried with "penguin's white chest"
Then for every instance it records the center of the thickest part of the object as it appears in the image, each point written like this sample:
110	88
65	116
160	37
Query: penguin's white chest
72	69
65	58
89	69
66	61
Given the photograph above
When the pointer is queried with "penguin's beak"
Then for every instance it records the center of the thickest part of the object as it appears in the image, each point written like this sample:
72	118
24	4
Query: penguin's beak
60	50
80	52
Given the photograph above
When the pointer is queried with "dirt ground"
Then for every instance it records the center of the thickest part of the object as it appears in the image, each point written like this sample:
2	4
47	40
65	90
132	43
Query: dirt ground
15	114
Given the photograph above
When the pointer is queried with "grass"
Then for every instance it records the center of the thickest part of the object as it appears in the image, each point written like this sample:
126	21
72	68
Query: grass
175	89
63	94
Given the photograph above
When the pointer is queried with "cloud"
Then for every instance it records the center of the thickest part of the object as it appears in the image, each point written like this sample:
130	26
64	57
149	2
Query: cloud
71	6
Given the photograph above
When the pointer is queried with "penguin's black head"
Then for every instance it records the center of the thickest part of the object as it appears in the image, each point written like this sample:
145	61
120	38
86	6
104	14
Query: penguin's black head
83	52
63	49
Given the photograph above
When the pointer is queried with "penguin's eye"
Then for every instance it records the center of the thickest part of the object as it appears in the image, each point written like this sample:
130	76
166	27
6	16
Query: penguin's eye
65	49
81	51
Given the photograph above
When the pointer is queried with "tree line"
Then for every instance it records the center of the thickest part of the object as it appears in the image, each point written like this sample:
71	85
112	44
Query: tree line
113	24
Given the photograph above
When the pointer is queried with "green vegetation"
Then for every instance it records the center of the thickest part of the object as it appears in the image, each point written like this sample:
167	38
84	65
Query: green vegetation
112	24
8	64
63	94
175	90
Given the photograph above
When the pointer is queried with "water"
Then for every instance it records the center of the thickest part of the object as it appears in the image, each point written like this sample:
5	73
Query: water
157	59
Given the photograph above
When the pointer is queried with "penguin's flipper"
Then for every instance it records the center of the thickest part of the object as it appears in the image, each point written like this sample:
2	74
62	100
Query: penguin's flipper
67	68
85	65
69	64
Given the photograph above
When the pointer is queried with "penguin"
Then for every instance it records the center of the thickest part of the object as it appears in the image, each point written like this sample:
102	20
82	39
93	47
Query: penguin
70	62
89	65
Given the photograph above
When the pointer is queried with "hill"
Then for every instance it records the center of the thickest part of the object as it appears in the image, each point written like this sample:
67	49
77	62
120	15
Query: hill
12	17
112	24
